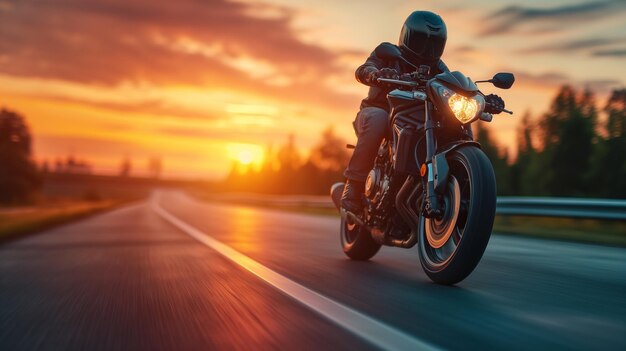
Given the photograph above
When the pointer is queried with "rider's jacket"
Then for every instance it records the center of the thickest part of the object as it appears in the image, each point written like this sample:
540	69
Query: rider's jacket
377	96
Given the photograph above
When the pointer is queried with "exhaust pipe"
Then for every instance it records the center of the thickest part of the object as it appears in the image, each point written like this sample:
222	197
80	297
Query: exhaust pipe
409	216
404	195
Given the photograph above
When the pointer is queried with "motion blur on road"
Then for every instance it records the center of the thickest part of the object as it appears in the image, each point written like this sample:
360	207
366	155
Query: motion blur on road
132	280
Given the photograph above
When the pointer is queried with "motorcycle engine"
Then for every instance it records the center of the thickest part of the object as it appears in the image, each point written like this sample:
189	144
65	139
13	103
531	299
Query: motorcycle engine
375	185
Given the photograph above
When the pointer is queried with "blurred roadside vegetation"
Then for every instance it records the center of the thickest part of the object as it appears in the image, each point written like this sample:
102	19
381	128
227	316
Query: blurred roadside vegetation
18	221
569	229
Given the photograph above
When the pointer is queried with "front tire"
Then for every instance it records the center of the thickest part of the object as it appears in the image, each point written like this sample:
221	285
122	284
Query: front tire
450	248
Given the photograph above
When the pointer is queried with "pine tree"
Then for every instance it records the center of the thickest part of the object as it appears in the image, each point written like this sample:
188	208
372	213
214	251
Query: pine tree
616	110
19	179
524	171
498	160
568	133
608	176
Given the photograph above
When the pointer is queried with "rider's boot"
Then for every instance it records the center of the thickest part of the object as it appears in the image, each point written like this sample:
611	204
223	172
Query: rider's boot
351	200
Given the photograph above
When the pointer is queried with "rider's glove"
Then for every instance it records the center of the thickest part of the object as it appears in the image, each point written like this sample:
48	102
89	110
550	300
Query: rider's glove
388	73
495	104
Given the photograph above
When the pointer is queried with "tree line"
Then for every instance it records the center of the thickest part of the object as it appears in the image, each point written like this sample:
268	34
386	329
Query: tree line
286	171
575	149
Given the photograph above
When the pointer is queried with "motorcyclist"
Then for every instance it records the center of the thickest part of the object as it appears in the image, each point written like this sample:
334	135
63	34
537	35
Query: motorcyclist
422	41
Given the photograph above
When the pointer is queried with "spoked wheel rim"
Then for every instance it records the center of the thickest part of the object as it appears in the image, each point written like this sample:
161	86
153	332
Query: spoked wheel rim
443	236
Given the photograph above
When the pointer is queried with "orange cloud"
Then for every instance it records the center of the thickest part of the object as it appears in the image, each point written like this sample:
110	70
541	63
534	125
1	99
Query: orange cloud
188	42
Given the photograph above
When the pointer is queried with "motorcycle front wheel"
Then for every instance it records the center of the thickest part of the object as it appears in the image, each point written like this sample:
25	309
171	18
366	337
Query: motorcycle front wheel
450	247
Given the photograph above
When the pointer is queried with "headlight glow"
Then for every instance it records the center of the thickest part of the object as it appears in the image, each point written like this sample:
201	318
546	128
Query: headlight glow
464	109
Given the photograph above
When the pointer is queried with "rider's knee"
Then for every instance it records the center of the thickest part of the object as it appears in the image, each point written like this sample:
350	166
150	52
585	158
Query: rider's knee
375	121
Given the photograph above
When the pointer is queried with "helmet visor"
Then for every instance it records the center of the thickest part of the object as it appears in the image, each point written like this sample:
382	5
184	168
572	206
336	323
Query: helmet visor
425	47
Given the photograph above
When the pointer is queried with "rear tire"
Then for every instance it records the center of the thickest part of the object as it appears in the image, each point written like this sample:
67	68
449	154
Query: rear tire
357	243
449	261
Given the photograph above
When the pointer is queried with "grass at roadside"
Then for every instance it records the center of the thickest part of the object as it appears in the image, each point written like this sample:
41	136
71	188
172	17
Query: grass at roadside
568	229
14	223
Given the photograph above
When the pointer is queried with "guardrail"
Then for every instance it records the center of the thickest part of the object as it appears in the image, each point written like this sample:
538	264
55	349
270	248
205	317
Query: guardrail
514	206
562	207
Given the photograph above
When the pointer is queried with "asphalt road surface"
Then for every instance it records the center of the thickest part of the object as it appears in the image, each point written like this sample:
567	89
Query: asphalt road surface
177	274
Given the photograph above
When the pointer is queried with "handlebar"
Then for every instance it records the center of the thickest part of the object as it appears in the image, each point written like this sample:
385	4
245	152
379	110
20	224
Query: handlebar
399	82
415	84
505	110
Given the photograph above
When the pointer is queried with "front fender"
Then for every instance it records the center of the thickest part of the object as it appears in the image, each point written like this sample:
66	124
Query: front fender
440	163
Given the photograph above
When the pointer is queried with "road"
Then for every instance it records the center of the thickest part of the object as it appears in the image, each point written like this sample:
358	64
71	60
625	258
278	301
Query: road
137	279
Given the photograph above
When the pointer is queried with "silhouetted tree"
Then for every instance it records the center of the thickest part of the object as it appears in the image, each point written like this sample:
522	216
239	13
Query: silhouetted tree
125	167
524	171
608	166
568	130
75	166
288	159
616	111
499	160
45	167
19	178
548	130
58	165
155	166
288	156
330	152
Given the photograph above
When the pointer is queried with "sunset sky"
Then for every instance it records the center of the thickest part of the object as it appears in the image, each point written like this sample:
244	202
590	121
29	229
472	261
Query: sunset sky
201	83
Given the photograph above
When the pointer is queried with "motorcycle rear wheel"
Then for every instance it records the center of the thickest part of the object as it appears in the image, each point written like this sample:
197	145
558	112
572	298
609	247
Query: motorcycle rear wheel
357	242
451	247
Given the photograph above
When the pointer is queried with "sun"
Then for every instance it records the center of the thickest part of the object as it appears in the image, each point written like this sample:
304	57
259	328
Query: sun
245	157
246	154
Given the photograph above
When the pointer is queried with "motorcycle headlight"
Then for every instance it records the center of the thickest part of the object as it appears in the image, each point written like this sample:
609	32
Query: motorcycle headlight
465	109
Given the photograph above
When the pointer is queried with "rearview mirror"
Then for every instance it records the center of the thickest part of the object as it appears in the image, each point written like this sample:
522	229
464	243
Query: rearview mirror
503	80
387	51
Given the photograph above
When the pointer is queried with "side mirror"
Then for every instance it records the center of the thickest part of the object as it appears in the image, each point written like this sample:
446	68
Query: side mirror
503	80
388	51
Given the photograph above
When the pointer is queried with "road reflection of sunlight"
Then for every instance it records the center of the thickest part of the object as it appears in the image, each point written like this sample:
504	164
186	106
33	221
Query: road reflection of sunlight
245	225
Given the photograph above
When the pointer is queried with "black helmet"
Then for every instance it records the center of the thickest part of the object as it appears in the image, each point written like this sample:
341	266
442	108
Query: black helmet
423	37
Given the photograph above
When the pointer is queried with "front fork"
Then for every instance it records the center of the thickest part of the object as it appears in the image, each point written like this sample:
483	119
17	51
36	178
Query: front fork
432	206
436	166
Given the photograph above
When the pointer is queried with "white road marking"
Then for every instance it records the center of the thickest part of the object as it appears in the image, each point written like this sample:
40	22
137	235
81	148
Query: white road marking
377	333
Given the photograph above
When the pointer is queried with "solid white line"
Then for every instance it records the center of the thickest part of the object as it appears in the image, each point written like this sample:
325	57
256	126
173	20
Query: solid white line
377	333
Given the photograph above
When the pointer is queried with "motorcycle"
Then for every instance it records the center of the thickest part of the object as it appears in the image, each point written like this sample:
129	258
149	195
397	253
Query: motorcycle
431	184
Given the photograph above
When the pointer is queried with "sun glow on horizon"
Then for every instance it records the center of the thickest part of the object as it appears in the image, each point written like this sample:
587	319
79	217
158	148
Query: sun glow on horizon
246	154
